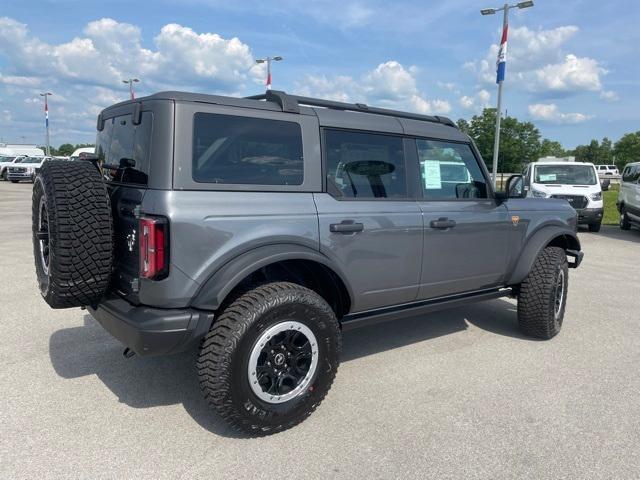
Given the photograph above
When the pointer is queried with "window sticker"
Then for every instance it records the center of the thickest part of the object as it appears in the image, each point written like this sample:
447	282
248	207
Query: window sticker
431	175
548	177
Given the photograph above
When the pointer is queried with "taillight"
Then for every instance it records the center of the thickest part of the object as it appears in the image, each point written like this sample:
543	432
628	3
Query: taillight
154	247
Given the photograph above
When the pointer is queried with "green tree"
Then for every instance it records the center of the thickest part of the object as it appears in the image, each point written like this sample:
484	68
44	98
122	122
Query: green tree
519	141
605	152
551	148
627	149
66	149
463	125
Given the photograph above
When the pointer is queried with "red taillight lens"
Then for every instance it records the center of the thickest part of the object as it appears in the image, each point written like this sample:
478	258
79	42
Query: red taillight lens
154	258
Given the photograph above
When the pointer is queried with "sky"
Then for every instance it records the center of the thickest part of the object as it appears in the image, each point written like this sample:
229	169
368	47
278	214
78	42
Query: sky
573	67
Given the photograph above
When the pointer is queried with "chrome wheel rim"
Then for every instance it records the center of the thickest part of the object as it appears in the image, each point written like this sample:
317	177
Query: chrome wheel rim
559	294
283	362
43	236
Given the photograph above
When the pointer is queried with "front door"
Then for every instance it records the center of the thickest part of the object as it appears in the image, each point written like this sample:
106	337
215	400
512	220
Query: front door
368	223
465	231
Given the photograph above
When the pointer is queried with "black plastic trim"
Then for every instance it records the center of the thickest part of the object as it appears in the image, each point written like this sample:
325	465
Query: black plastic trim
372	317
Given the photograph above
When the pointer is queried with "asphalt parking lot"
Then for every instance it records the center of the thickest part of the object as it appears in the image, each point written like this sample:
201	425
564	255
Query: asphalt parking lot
457	394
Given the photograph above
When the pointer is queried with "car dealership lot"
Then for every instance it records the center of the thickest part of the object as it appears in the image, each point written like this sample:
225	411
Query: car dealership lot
454	394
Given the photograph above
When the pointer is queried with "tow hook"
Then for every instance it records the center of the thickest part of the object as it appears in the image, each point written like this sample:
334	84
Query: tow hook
128	353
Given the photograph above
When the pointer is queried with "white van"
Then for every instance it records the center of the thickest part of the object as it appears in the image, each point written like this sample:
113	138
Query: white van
17	150
575	182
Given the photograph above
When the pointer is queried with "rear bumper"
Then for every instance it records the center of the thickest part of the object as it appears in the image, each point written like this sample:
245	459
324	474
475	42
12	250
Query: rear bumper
151	331
590	215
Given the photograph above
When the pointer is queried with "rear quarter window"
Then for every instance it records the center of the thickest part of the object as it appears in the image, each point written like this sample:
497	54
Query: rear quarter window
123	149
231	149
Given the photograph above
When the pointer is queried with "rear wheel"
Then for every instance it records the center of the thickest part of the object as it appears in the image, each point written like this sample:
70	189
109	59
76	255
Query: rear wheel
543	295
270	358
71	225
625	224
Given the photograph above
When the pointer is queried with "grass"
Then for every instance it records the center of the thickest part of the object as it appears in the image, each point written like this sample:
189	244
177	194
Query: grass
610	211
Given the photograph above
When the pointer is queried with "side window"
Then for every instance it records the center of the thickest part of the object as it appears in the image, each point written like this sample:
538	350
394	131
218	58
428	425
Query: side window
449	171
364	165
243	150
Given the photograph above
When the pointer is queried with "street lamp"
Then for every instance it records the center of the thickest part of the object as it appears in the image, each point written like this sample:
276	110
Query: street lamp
500	70
268	61
131	81
46	118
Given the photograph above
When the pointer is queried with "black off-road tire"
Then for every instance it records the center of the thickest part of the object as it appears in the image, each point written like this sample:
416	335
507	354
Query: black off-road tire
540	311
595	227
625	224
225	353
71	213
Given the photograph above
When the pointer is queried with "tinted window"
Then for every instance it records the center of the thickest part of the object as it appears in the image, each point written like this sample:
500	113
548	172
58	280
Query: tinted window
565	175
364	165
123	149
244	150
449	171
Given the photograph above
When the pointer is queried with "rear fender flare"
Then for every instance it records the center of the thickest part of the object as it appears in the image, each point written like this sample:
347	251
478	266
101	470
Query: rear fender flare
534	246
215	289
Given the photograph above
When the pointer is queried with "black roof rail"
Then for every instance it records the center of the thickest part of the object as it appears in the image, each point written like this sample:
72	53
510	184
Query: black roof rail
291	103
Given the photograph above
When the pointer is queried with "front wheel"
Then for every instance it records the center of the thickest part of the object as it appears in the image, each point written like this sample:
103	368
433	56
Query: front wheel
270	358
543	295
625	224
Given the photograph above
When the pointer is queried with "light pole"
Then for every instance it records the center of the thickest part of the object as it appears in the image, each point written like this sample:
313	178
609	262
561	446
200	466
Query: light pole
46	118
131	81
268	61
500	71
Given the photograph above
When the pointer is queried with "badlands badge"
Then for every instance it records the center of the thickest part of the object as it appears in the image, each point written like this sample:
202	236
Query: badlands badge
515	219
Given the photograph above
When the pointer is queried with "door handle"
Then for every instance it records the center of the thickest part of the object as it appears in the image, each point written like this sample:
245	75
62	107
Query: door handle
346	226
442	223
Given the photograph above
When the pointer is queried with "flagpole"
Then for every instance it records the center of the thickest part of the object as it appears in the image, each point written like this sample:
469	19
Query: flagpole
46	120
500	78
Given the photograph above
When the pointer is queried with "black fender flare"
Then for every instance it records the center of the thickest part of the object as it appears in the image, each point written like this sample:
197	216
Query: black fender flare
539	240
214	290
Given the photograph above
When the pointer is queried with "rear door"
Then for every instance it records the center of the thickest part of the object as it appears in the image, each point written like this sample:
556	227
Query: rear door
123	151
369	223
466	231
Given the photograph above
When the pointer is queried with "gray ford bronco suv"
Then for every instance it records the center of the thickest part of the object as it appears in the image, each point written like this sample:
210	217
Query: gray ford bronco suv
256	230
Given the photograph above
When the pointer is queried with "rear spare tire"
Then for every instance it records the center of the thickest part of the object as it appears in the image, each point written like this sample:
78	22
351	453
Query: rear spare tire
72	233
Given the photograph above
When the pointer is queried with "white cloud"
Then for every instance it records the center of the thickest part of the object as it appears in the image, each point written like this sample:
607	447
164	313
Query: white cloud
477	102
549	112
609	95
388	85
570	75
536	62
85	74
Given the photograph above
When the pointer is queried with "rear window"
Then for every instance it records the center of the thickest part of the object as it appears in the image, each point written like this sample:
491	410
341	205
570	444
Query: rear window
242	150
123	149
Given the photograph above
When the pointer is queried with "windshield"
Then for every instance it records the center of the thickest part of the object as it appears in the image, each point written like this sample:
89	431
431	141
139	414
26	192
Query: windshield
32	160
6	159
565	175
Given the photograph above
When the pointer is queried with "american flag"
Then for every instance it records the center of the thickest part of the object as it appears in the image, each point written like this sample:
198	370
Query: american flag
501	63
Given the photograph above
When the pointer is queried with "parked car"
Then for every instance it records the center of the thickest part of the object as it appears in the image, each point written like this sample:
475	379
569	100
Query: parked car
610	170
575	182
27	169
629	196
263	227
6	161
77	153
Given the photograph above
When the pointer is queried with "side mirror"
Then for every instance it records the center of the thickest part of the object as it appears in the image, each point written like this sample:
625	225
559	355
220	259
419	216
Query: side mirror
604	184
515	187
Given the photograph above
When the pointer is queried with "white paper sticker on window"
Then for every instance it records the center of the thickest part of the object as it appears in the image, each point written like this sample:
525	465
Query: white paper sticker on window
432	180
548	177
